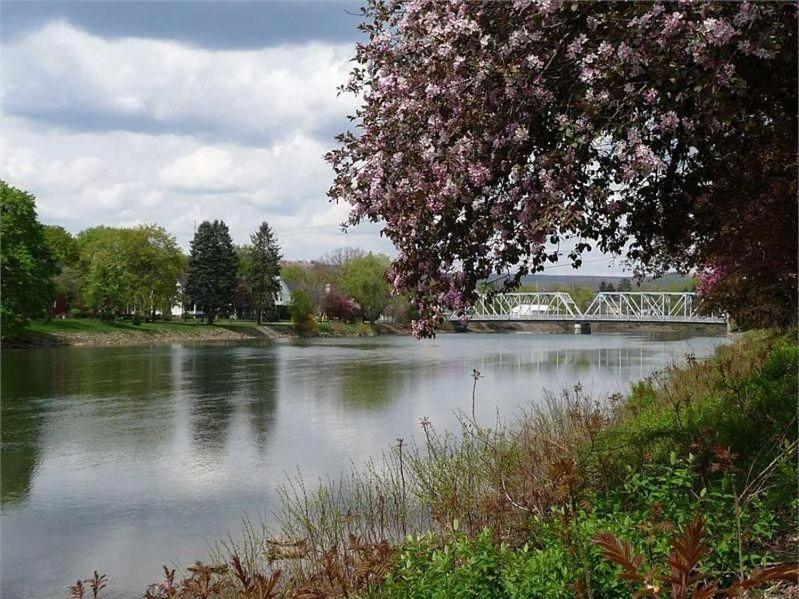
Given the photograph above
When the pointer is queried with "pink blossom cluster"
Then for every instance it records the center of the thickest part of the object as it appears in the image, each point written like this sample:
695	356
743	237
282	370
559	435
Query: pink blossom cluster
489	132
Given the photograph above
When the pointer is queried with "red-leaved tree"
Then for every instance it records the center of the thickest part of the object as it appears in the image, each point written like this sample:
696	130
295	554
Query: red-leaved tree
491	132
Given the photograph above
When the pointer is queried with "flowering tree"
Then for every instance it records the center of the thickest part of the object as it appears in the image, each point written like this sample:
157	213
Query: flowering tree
492	132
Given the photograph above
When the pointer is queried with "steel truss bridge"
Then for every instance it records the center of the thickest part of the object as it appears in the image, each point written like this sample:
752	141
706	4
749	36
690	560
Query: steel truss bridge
620	306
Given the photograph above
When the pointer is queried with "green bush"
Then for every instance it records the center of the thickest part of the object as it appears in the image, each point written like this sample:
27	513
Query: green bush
715	439
744	399
646	510
302	318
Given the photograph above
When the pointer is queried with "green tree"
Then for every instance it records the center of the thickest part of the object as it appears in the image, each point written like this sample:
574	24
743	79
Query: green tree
211	275
582	296
625	285
262	275
157	263
242	302
62	245
126	270
316	278
66	254
106	280
364	279
26	264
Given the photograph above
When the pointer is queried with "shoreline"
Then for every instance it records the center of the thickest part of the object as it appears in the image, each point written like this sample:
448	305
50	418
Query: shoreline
246	331
242	331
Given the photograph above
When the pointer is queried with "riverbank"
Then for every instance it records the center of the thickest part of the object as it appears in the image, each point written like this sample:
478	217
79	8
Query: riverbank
576	498
90	332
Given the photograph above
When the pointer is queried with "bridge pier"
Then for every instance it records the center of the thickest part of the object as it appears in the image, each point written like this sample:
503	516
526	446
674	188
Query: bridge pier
582	328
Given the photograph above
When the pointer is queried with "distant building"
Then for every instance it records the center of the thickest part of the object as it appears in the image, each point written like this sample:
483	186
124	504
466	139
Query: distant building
59	309
283	296
177	308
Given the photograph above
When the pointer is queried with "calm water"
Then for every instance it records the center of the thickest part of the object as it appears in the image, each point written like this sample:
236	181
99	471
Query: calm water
122	459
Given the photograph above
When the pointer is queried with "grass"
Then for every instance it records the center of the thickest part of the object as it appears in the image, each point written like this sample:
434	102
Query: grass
246	327
694	473
97	326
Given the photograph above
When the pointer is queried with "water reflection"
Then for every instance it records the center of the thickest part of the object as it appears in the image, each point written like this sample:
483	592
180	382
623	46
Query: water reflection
140	456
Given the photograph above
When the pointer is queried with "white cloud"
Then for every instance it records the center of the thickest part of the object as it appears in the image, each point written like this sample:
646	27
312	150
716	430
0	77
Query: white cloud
205	169
120	178
62	75
288	171
126	131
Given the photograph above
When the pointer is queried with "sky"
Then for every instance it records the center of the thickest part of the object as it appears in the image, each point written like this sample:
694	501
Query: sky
121	113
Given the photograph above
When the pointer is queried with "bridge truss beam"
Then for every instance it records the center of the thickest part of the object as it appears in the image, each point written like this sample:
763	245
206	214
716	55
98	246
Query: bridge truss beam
631	306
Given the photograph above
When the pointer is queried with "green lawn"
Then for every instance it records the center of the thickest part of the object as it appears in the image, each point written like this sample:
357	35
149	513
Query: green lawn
95	325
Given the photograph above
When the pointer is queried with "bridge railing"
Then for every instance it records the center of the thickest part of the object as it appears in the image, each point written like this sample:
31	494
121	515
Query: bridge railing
647	306
525	306
644	306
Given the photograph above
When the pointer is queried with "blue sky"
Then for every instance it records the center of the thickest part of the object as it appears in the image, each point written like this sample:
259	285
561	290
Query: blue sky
123	112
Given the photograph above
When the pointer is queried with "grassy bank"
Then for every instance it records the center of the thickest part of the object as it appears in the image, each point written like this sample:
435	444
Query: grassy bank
685	486
95	332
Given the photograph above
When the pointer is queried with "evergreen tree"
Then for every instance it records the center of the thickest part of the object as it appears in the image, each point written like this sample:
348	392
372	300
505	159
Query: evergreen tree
26	262
263	271
211	276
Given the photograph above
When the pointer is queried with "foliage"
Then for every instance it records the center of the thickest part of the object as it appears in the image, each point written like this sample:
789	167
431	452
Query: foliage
129	270
752	301
302	312
743	399
262	272
559	558
490	132
688	549
401	310
364	279
26	263
62	245
314	278
340	307
211	274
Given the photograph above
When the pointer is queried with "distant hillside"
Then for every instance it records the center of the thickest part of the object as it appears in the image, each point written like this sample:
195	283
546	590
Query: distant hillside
668	282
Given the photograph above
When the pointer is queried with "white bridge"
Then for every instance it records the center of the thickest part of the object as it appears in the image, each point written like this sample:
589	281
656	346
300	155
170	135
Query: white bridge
558	306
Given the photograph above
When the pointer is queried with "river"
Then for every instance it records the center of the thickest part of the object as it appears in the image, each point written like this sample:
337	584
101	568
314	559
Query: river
121	459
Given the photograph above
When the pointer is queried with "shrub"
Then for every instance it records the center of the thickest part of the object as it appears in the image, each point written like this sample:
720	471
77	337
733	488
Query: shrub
339	306
302	318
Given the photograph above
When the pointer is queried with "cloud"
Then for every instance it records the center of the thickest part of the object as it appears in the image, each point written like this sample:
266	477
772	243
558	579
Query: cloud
64	76
119	178
288	171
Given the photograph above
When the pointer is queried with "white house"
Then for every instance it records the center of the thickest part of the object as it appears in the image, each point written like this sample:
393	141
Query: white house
283	296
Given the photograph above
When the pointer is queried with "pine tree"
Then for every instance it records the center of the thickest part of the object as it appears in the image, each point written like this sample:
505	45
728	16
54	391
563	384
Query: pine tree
263	271
211	276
